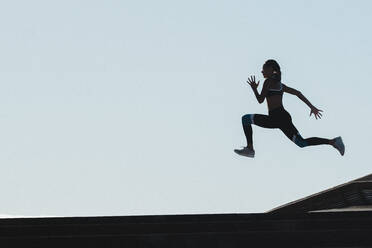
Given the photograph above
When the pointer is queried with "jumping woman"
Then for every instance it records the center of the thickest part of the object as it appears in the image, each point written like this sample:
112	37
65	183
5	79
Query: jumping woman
278	117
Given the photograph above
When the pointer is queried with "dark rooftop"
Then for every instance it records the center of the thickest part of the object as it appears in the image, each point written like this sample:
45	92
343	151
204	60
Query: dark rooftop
350	195
337	217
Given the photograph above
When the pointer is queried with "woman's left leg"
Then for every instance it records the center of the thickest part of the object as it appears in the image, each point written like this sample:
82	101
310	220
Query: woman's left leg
291	132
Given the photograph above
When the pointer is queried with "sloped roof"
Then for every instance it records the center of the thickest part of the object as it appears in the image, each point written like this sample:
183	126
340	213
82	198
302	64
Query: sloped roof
353	194
367	178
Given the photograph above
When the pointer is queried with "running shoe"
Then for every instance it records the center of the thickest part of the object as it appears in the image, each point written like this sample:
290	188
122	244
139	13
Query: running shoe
339	145
247	152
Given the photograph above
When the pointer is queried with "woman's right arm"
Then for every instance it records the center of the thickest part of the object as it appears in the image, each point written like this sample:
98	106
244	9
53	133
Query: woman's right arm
297	93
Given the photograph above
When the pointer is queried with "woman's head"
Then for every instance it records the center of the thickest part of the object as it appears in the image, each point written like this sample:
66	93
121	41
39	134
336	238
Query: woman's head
271	69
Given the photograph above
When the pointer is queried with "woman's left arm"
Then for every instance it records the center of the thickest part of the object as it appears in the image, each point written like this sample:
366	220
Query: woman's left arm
260	97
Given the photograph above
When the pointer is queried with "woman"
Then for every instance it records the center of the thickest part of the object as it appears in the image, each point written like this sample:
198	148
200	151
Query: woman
278	117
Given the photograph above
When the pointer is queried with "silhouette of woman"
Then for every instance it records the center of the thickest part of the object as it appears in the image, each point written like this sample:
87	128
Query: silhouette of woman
278	117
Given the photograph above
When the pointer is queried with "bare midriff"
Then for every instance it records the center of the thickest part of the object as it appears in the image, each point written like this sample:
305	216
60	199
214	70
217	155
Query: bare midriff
274	102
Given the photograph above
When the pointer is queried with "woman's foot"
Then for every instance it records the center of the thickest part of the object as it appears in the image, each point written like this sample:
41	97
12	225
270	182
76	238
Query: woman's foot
247	152
339	145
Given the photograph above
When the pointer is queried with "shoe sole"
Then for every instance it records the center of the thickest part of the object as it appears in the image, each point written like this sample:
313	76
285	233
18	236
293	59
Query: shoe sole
341	145
244	155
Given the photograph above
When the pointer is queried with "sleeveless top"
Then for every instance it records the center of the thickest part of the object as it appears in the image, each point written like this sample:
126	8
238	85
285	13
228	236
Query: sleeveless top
275	92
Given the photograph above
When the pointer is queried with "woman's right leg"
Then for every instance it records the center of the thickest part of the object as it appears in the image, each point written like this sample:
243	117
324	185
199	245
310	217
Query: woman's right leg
256	119
247	121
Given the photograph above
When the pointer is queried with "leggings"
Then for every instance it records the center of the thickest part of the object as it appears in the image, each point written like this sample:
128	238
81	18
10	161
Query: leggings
278	118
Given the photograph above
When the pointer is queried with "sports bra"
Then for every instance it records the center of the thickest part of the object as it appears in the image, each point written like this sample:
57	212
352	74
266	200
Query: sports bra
275	92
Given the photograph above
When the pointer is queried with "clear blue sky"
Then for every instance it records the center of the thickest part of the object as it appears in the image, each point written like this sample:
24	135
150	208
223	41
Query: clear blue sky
134	107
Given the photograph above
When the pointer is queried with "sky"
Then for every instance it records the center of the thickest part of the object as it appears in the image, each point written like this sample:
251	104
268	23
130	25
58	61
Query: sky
134	107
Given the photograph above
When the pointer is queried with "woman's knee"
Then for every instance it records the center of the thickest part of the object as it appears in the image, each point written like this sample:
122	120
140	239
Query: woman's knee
248	119
299	141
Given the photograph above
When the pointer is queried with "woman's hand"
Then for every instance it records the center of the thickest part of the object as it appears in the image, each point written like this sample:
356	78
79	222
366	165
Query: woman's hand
317	112
252	82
